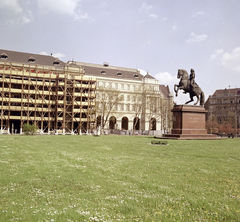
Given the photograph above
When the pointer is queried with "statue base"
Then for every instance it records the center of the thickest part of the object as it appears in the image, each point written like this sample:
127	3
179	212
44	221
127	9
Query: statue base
189	123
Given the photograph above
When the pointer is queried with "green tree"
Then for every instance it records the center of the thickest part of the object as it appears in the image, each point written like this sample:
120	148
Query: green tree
29	129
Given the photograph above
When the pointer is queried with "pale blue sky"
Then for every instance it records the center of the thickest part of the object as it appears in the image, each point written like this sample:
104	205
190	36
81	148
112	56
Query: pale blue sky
158	36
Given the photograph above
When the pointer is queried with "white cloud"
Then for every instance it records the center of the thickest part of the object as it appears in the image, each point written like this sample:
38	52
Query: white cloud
84	16
20	15
217	53
174	27
43	53
166	78
27	19
152	16
198	14
232	60
68	7
11	4
197	38
56	55
146	7
143	72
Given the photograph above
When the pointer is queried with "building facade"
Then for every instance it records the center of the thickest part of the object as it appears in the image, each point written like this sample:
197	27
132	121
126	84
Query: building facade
224	107
129	101
42	90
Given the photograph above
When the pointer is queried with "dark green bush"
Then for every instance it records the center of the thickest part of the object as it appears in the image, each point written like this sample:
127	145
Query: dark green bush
29	129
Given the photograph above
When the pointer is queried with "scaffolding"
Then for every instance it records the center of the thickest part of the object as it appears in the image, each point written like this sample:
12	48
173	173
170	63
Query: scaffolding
56	100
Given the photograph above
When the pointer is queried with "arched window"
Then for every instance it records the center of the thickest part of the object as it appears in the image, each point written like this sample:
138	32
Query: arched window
124	123
98	121
136	123
153	124
112	122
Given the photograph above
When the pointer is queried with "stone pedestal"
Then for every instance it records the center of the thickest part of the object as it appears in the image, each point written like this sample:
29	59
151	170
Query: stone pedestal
189	123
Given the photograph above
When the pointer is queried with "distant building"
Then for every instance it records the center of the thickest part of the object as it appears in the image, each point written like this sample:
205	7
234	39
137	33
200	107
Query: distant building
43	90
143	104
224	106
77	97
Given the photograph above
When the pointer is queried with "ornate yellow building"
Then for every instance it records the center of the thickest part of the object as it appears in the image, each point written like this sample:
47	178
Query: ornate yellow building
128	101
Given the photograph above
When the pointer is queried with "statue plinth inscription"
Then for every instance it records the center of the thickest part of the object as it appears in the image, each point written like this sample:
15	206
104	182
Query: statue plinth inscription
189	120
189	123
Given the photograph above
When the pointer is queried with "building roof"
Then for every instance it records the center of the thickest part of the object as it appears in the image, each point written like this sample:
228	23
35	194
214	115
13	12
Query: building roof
165	90
222	92
111	71
148	76
30	58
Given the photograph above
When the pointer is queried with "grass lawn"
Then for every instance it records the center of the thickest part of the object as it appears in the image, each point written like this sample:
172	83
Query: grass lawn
118	178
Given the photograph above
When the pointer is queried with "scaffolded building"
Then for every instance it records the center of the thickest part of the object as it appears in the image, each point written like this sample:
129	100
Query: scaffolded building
46	92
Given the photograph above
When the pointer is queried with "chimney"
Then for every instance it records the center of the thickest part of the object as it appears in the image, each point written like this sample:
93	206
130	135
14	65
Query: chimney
105	64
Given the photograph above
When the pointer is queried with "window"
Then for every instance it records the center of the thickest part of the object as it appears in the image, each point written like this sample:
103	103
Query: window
116	86
56	62
103	72
133	107
116	107
4	56
31	59
122	86
110	85
128	107
119	73
135	75
128	87
128	97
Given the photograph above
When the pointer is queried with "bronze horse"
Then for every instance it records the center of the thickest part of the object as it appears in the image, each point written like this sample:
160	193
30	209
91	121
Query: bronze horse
184	84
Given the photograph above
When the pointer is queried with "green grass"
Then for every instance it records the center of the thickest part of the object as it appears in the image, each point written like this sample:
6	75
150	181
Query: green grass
118	178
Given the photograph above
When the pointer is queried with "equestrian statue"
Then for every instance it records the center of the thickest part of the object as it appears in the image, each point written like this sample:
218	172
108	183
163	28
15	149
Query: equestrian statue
189	86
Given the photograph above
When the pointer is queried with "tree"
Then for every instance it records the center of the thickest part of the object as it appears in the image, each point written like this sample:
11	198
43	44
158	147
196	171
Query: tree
29	129
154	108
107	101
138	105
212	126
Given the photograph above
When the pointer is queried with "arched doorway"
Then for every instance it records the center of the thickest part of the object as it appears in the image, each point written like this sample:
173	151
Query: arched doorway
98	121
112	122
124	123
136	123
153	124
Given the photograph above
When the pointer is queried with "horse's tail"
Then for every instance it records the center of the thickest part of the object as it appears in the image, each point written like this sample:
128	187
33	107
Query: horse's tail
202	98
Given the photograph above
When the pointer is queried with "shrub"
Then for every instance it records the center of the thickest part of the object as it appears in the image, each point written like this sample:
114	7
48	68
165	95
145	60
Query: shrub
29	129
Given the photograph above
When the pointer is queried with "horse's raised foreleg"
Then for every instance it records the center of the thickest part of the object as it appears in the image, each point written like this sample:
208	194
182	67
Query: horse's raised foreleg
176	89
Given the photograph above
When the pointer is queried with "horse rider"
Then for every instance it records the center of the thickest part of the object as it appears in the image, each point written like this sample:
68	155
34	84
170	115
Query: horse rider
192	79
